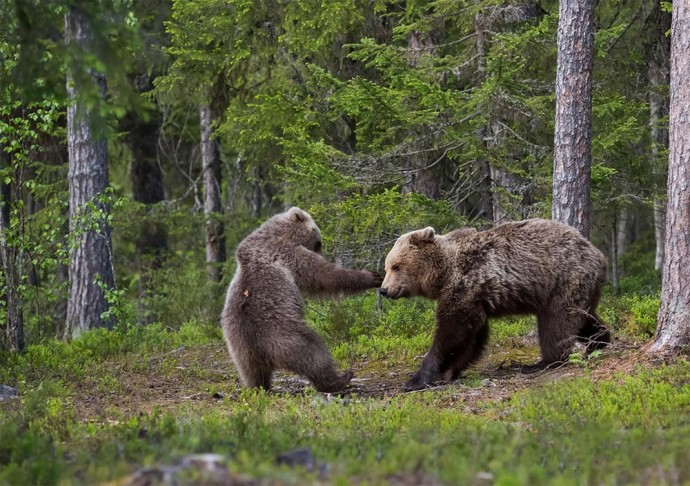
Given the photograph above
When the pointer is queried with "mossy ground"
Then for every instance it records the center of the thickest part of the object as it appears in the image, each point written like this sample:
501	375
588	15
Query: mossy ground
110	403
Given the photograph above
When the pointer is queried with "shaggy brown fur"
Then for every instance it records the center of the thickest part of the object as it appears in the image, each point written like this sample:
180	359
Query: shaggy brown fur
263	319
536	266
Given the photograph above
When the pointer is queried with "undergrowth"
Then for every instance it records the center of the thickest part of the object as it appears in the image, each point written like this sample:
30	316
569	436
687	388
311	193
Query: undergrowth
626	429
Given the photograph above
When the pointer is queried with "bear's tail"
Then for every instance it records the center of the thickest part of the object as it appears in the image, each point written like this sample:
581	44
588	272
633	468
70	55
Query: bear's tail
594	334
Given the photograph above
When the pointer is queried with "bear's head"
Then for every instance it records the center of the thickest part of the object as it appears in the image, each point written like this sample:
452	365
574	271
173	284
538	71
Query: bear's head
299	229
413	265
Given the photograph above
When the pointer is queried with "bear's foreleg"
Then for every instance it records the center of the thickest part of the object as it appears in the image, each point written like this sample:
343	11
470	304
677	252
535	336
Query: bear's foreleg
469	355
317	276
460	336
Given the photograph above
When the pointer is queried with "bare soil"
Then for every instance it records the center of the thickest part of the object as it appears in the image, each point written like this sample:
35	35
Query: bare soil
203	376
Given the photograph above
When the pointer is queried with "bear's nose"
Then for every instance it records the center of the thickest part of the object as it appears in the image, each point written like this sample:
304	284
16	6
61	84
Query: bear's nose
383	291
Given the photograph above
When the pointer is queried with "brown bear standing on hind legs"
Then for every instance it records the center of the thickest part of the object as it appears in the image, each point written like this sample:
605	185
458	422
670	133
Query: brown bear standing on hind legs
263	319
535	266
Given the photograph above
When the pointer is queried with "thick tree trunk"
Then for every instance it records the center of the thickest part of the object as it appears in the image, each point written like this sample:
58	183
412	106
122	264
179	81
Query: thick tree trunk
572	138
210	157
673	324
91	266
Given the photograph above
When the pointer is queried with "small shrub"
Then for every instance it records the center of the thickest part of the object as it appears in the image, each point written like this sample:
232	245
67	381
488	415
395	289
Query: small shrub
355	327
641	312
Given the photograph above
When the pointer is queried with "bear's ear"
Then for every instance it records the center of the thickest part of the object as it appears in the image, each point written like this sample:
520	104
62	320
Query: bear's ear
296	214
425	235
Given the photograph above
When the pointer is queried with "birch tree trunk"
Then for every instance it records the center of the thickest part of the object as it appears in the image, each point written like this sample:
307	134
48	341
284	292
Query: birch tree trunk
572	137
673	322
210	158
91	267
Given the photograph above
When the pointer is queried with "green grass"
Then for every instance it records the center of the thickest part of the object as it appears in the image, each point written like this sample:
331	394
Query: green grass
622	429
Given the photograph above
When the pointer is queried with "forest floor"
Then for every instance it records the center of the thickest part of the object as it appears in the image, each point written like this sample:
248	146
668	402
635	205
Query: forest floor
159	407
205	375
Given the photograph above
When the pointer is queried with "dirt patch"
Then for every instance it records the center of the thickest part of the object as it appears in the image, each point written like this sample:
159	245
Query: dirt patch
203	376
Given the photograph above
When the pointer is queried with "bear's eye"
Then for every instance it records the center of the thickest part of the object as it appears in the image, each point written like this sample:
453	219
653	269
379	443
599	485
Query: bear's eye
317	247
395	267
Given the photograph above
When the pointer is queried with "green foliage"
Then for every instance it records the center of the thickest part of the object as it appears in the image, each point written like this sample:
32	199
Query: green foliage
359	230
642	311
623	402
73	361
355	328
511	327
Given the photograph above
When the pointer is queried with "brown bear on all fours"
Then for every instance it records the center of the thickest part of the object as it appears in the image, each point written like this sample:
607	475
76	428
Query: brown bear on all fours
263	318
535	266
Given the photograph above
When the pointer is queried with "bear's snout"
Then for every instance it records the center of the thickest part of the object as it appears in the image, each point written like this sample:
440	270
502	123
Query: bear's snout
392	293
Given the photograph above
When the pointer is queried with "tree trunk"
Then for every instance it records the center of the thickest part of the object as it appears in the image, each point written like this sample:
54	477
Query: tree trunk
572	137
210	157
257	200
658	54
659	232
146	177
623	231
11	262
488	204
423	173
91	266
614	253
673	323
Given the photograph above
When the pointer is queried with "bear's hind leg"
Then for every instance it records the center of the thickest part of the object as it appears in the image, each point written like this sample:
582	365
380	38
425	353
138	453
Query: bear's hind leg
306	354
555	338
256	375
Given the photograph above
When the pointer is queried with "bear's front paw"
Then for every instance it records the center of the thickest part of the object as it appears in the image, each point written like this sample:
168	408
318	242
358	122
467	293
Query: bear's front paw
337	384
417	382
413	385
375	278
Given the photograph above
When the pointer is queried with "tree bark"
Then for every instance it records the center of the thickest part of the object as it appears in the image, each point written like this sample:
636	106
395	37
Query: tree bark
572	137
622	233
11	262
210	156
423	174
91	266
673	323
614	253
